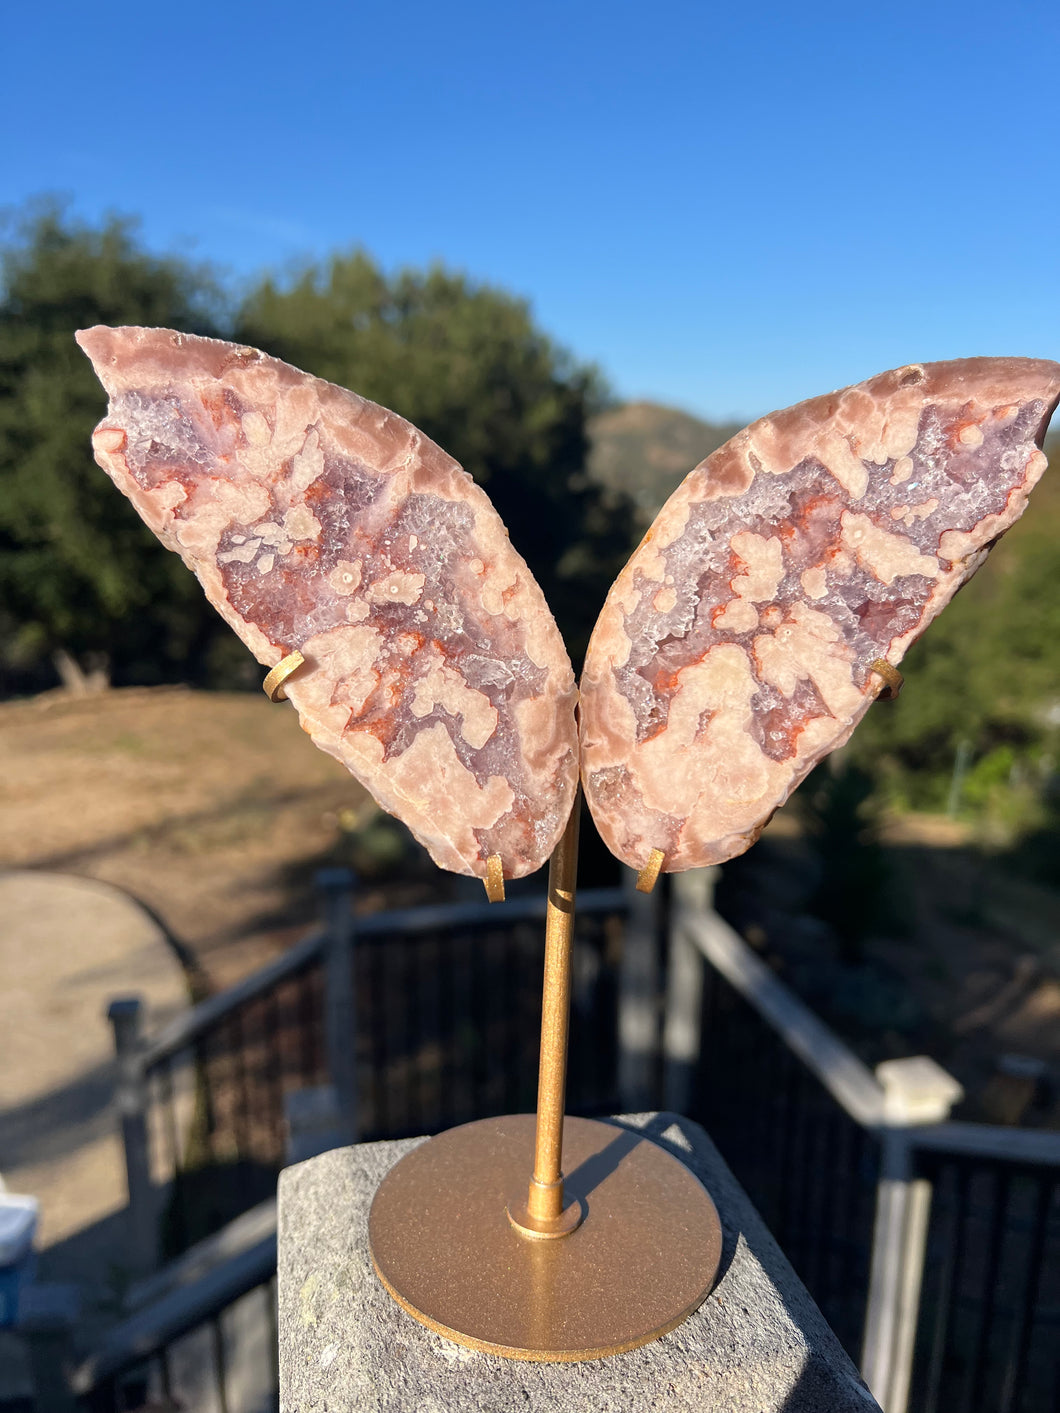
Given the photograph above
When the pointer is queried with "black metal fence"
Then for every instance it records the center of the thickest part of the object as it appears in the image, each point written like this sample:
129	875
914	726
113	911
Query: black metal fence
215	1092
965	1230
220	1359
809	1168
446	1020
447	1029
988	1339
449	1020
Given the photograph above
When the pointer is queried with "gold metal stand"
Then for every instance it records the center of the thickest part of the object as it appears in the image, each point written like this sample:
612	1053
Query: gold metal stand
617	1253
544	1213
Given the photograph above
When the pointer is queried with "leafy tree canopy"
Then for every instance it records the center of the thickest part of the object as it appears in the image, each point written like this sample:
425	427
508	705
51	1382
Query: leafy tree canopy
78	570
80	573
467	365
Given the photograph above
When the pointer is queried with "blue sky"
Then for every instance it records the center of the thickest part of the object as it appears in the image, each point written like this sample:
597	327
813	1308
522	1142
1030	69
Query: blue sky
726	208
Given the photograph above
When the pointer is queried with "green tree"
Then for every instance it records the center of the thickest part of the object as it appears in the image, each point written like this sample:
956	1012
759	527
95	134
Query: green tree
80	575
467	365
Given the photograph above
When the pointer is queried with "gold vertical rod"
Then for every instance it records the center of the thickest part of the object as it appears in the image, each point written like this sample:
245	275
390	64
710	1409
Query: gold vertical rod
545	1200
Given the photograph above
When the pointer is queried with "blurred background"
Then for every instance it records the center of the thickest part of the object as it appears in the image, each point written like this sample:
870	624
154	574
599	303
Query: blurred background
579	246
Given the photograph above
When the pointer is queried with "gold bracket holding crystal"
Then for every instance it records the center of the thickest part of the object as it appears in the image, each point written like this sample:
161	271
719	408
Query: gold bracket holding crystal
494	880
273	684
649	874
893	681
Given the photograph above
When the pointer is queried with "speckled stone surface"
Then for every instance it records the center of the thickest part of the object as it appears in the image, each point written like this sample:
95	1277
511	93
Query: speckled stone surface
736	647
758	1343
318	521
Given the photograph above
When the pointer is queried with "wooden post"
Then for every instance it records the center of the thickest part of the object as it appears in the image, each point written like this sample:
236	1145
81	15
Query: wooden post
916	1091
336	886
125	1014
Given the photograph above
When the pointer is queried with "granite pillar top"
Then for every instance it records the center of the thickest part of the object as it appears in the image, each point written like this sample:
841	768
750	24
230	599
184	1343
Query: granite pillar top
757	1343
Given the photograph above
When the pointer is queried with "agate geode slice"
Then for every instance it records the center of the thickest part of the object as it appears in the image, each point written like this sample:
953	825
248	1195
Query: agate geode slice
736	647
317	521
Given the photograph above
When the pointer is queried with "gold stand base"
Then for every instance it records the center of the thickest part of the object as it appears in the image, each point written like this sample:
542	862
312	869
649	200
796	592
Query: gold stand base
643	1258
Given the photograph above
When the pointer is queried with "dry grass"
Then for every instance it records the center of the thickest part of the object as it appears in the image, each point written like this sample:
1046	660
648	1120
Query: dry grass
213	809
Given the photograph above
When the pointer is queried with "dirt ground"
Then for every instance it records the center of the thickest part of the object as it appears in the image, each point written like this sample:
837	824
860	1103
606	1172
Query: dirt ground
212	809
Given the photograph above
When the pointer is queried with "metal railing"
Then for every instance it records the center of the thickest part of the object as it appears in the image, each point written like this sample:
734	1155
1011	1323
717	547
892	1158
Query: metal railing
989	1322
932	1247
419	1018
204	1337
770	1115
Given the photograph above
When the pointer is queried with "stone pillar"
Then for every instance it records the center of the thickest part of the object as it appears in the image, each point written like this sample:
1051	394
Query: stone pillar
757	1343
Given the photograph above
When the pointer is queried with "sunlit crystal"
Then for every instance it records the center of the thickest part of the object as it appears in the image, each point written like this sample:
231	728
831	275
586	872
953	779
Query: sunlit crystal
735	649
317	521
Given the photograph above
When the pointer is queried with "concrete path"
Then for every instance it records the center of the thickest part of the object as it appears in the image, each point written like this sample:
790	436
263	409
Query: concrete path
67	947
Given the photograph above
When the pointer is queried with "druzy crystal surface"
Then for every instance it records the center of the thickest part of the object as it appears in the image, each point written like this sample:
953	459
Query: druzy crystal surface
735	649
318	521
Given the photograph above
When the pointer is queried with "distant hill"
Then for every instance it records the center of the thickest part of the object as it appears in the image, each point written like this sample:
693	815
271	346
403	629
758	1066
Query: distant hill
646	450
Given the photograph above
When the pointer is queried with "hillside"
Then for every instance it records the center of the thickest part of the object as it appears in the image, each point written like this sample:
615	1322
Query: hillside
645	450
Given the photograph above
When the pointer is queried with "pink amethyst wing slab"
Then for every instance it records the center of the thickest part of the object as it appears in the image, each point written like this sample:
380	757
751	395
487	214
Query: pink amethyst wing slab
318	521
735	649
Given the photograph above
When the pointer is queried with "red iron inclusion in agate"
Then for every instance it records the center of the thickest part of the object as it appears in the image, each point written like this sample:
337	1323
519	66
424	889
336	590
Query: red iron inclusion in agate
734	650
318	521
